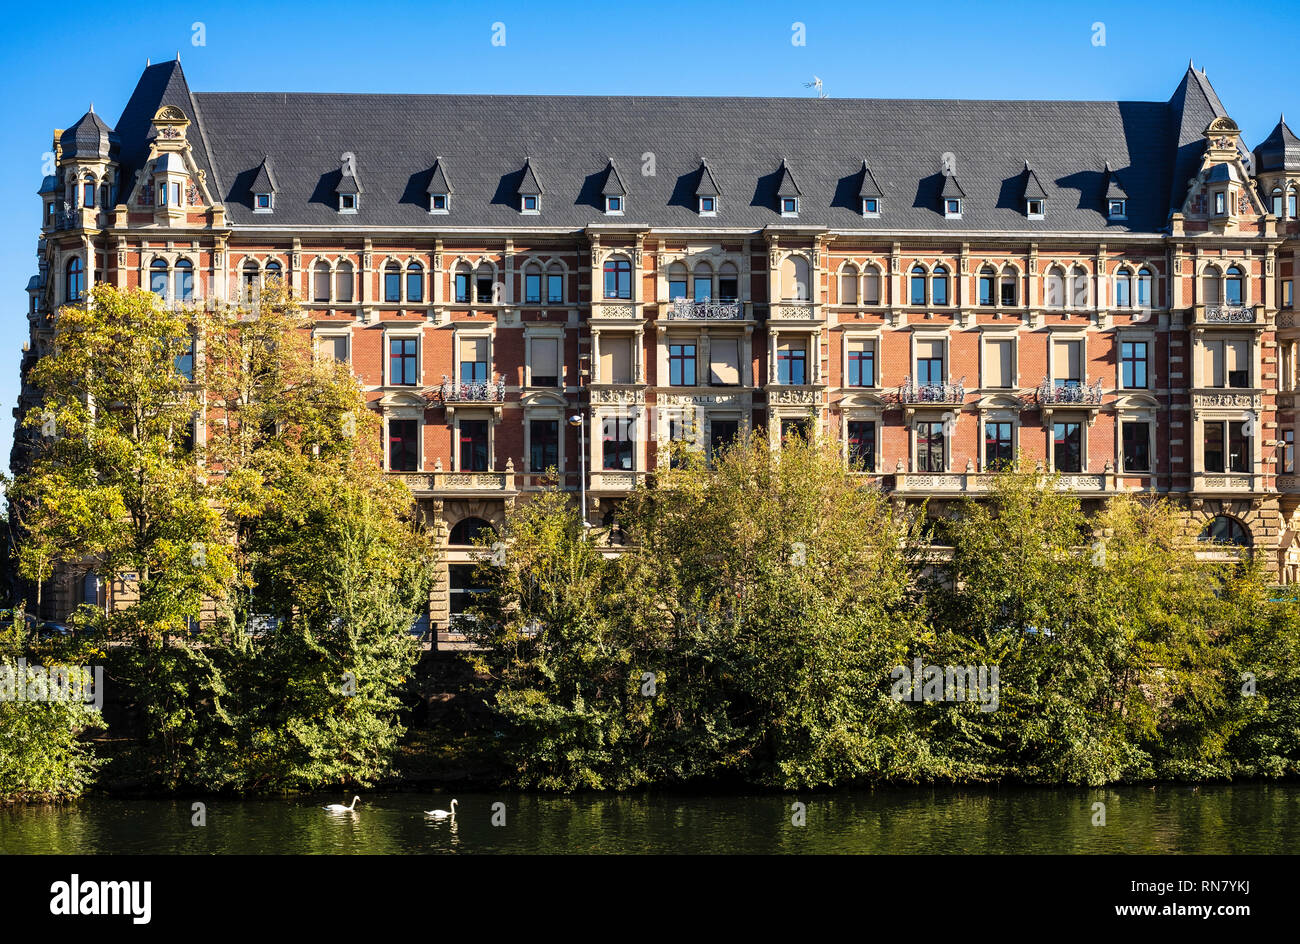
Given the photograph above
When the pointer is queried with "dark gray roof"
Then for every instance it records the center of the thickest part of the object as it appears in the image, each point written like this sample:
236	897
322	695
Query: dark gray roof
707	187
1279	151
164	84
951	188
263	180
49	184
438	182
89	136
613	183
348	183
1033	186
785	185
528	182
1114	189
487	139
869	187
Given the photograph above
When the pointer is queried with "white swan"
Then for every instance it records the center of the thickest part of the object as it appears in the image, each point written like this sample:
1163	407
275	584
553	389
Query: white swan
443	814
340	808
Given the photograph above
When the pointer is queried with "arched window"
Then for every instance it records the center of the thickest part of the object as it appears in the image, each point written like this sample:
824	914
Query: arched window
794	279
1123	289
320	282
1009	287
871	286
1225	530
249	280
849	285
158	278
185	280
1232	286
464	283
343	282
272	274
392	282
728	282
988	286
702	282
939	286
532	284
88	192
1290	203
618	278
1144	296
414	282
76	279
1210	286
1079	287
679	281
469	530
485	282
555	284
917	294
1055	288
1276	201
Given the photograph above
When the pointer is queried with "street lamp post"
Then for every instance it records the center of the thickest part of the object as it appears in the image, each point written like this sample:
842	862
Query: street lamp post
576	421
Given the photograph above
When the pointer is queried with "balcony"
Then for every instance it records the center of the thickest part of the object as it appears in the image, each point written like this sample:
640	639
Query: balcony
1227	483
1225	315
613	480
485	392
440	483
686	309
1070	394
982	483
792	310
940	394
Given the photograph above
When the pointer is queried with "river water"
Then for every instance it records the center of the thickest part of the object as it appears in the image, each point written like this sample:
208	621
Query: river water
1242	818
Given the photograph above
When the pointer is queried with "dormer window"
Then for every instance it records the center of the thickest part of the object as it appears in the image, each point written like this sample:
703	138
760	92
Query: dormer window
530	203
871	206
262	203
1034	209
1117	209
1220	203
789	206
614	206
708	206
952	208
438	203
347	203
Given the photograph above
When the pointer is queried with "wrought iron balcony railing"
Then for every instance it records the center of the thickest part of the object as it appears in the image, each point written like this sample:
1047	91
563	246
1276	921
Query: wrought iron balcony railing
687	309
1229	314
932	393
1060	394
484	392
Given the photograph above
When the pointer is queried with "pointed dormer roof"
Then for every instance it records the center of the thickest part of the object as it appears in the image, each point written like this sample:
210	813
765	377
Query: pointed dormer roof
348	183
869	186
88	137
1114	189
707	186
1193	106
1280	151
438	182
613	182
1033	186
785	185
529	185
951	188
263	180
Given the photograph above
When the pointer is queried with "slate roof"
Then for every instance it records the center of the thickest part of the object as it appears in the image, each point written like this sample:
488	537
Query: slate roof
951	188
785	185
1279	151
1033	186
707	187
263	181
438	182
89	136
869	187
1114	189
1153	146
613	183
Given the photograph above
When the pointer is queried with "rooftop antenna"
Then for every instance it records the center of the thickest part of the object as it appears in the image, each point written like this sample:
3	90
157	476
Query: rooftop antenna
816	83
147	62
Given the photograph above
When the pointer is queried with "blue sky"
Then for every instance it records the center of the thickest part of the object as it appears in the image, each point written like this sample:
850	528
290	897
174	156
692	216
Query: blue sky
56	60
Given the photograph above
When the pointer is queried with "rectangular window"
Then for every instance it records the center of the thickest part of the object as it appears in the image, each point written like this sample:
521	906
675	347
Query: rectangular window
1133	364
999	453
871	287
791	363
681	429
791	427
862	446
402	362
473	445
185	362
615	360
999	370
986	289
929	363
616	443
176	195
462	287
681	365
545	366
724	354
1227	447
403	445
1067	368
1137	447
676	289
473	360
862	363
1287	298
543	445
335	346
533	288
483	289
530	203
618	279
1008	290
728	288
929	447
555	289
1238	363
1291	205
414	285
1288	451
703	289
392	286
918	290
1212	372
722	433
1220	204
1067	443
